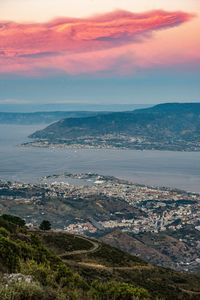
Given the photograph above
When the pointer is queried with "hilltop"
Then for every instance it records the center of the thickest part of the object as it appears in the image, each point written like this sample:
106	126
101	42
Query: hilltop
56	265
170	126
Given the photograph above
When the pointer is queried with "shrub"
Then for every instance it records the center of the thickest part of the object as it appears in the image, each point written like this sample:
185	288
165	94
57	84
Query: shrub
4	232
26	291
14	220
117	291
10	227
9	254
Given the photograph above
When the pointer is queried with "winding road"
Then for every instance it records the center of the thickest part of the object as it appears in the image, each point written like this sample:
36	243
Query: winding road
94	247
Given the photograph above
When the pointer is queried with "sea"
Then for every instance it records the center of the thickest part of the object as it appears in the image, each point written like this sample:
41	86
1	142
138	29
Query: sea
156	168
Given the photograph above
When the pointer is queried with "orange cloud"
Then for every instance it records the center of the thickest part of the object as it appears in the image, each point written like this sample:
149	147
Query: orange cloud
65	44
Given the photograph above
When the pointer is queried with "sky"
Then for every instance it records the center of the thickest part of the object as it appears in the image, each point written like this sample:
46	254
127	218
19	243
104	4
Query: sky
99	51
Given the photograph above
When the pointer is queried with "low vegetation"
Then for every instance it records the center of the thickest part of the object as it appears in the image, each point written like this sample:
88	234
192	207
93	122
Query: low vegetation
60	243
30	270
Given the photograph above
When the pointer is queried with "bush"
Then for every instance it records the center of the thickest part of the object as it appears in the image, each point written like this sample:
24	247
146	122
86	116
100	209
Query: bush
26	291
9	254
4	232
14	220
10	227
117	291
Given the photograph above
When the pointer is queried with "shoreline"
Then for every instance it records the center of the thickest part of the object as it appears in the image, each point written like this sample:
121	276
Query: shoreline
47	145
90	177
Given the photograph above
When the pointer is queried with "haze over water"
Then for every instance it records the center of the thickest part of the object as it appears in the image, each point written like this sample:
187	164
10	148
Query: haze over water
158	168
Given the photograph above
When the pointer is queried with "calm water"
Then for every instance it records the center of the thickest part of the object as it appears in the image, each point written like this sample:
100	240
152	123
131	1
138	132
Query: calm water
161	168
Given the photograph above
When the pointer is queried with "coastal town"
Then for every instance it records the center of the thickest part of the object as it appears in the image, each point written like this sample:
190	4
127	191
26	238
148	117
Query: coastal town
159	224
140	208
113	141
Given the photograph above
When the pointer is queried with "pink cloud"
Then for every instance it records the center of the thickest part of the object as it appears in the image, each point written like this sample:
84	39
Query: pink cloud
79	46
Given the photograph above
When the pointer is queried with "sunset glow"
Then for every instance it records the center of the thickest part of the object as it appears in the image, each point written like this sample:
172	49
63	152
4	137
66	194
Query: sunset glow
98	38
64	43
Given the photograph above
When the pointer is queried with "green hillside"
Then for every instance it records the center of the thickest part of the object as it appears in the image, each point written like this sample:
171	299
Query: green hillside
56	265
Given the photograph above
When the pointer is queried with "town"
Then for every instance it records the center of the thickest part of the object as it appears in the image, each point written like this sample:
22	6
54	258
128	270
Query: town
140	208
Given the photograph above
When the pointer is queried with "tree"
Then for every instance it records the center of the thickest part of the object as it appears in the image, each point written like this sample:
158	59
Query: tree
45	225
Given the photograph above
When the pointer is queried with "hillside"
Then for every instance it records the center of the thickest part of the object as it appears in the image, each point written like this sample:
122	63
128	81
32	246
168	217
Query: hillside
168	249
57	265
165	127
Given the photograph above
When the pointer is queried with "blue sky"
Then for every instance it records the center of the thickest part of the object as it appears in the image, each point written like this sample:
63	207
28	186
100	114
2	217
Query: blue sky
148	87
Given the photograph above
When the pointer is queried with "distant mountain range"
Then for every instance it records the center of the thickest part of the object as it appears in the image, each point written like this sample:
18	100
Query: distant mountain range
70	107
43	117
170	126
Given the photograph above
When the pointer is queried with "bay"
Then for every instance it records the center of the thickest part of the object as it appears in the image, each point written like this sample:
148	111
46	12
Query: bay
158	168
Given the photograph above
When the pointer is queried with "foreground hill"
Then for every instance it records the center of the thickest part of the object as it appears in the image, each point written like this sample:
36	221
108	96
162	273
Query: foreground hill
166	126
59	266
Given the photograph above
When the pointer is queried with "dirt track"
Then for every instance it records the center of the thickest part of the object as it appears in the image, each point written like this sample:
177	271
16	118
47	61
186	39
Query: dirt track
94	247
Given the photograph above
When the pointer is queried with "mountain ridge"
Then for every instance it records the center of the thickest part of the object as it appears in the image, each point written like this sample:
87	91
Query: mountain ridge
170	126
41	117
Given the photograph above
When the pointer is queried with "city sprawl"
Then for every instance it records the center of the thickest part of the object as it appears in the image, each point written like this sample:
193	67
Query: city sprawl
141	208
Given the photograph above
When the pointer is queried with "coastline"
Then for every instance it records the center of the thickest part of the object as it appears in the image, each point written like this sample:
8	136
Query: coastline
79	146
